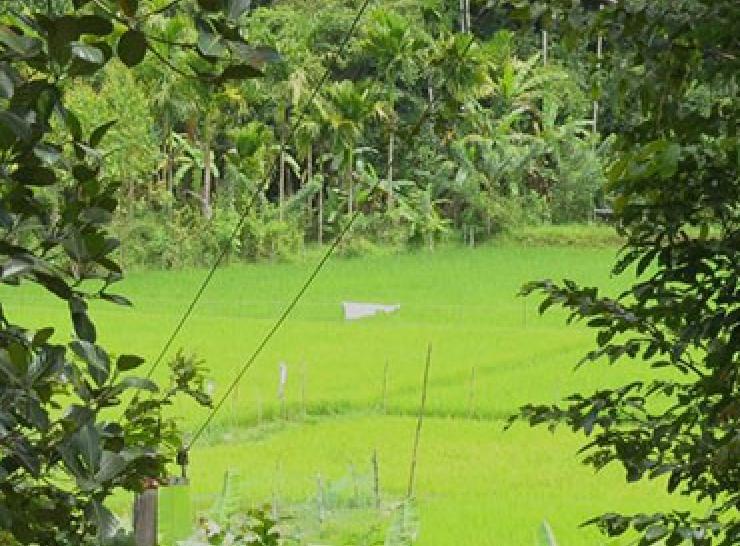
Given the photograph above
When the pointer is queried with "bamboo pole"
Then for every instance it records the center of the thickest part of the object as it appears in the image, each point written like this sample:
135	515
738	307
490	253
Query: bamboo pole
419	424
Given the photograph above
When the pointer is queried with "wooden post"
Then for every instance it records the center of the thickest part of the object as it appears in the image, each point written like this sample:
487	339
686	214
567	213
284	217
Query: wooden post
320	499
544	47
385	387
355	485
376	479
283	369
275	492
303	390
145	518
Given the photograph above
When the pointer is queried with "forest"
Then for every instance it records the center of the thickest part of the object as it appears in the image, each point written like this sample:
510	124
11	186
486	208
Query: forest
518	141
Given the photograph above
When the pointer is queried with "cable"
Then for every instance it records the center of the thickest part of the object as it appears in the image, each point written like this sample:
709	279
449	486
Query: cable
416	128
243	218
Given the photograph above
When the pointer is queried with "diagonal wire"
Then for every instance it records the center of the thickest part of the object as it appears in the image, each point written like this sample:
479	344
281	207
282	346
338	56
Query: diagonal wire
416	128
243	218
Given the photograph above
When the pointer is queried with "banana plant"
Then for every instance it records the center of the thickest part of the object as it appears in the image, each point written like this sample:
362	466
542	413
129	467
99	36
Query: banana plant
192	161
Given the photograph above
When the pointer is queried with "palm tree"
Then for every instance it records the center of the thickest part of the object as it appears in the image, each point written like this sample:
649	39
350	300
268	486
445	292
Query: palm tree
346	108
394	45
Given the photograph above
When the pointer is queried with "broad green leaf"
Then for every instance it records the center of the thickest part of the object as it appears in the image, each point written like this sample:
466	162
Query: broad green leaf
16	124
111	465
211	45
87	53
96	359
105	522
22	45
87	445
140	383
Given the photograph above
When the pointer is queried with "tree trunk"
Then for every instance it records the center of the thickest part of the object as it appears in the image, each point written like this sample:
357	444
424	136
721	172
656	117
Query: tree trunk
320	234
462	16
281	182
350	203
309	172
207	210
351	193
390	170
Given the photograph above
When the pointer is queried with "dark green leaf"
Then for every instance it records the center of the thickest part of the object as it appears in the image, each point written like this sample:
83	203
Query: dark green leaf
35	176
42	336
132	47
129	7
211	5
16	124
97	360
95	24
126	363
84	328
99	132
117	299
239	72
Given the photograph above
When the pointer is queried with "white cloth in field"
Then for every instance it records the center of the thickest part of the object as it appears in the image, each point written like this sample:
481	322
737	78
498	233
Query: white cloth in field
355	310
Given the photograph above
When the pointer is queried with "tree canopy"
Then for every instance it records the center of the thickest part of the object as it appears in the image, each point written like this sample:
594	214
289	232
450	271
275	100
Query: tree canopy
676	191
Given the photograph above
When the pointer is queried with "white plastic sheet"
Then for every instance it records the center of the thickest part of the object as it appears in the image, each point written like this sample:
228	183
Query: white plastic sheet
356	310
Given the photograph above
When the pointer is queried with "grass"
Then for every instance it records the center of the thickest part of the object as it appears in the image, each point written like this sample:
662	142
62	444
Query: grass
478	485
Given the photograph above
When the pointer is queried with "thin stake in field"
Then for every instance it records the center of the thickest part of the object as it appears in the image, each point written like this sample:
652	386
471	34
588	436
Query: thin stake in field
304	373
283	370
419	423
376	478
385	388
471	395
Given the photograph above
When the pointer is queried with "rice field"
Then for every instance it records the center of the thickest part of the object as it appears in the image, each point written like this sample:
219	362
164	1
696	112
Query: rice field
353	387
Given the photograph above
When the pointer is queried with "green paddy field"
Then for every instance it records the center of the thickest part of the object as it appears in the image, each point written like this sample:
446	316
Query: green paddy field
353	388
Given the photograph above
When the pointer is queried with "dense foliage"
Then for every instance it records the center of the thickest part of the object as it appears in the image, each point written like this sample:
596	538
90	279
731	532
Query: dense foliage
676	192
511	142
67	442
